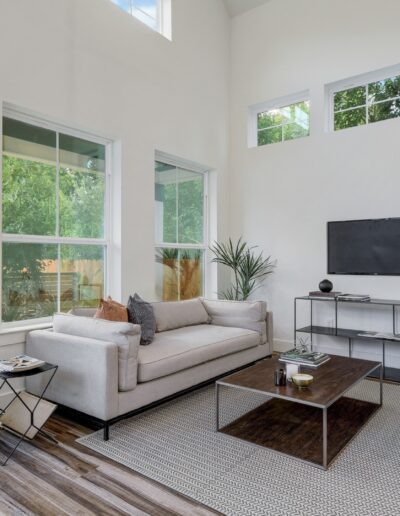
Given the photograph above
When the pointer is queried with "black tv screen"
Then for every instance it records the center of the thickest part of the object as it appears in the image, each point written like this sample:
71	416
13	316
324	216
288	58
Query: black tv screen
364	247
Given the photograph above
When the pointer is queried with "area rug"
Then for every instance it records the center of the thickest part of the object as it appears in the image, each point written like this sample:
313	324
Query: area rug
176	445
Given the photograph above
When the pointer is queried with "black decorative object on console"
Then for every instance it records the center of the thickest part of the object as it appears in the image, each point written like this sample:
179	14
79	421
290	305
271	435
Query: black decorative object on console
325	285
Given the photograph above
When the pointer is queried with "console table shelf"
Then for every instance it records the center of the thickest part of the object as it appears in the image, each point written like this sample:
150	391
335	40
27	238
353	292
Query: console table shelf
332	332
389	373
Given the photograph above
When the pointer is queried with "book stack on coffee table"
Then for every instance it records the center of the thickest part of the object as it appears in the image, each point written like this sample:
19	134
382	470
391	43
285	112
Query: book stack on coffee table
305	358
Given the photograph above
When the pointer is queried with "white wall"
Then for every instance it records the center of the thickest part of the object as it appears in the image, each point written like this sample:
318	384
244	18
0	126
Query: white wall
283	194
88	64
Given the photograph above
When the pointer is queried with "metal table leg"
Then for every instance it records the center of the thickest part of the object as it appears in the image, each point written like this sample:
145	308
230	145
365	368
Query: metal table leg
325	438
31	412
217	406
384	358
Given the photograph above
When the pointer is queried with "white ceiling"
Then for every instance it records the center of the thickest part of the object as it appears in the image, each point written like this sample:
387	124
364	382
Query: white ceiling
240	6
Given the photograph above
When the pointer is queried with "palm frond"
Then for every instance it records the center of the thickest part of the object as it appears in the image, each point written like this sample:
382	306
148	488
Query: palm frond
249	268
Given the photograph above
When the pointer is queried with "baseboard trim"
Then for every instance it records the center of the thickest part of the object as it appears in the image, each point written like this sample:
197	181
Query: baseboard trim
281	345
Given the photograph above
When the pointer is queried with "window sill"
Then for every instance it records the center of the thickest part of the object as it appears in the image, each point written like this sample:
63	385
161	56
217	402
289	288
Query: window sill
17	334
24	329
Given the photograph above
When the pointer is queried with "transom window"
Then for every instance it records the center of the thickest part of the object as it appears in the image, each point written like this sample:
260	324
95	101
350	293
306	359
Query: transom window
54	224
280	120
180	232
153	13
367	103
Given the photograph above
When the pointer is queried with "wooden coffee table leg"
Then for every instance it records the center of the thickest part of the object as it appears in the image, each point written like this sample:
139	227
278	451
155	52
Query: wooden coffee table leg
325	438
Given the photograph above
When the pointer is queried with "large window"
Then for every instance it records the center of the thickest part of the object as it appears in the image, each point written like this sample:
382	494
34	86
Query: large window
365	100
181	231
153	13
280	120
54	236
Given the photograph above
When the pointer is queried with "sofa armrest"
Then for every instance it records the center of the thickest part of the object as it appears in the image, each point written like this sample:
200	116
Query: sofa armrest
250	315
87	376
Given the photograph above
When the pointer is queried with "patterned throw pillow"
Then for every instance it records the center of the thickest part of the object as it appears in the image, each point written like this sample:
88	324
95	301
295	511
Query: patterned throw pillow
111	311
141	312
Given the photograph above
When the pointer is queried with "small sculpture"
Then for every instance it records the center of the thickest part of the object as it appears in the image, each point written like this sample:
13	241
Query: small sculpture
325	285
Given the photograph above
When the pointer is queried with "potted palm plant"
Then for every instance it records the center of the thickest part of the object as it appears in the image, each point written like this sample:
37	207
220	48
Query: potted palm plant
249	267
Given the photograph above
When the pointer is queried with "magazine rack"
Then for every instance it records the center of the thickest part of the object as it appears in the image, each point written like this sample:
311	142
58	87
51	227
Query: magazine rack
25	414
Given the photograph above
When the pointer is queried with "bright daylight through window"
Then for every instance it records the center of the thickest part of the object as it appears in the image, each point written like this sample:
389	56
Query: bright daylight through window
367	103
283	123
147	11
180	232
53	235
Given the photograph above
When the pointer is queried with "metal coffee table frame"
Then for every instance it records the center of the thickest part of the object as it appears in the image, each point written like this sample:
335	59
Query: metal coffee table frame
5	381
324	409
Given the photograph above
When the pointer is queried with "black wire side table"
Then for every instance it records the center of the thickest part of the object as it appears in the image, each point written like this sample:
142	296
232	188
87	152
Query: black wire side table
5	378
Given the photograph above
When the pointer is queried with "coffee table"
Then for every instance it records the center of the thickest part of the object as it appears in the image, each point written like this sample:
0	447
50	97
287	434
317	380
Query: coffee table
312	424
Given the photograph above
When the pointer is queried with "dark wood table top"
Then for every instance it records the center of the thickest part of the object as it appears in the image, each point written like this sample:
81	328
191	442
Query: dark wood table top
331	380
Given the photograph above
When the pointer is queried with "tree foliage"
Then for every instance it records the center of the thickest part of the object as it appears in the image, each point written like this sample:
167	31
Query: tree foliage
30	208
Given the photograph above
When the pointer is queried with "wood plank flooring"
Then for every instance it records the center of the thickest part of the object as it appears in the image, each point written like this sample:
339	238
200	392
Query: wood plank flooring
45	479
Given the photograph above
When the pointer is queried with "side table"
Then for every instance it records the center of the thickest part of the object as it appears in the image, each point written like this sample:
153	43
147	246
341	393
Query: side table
25	401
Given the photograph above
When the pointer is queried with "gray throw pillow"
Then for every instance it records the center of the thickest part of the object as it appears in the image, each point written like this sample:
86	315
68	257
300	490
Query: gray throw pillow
141	312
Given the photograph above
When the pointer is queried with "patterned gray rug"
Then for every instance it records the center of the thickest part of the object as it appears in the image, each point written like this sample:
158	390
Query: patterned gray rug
177	446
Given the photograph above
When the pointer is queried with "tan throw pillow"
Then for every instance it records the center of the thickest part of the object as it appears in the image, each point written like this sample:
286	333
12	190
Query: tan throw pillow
111	311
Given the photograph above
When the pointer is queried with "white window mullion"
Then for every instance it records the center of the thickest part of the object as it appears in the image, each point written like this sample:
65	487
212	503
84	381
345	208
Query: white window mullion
58	221
59	278
176	205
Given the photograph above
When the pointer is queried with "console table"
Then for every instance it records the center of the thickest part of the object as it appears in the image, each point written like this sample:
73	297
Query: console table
347	333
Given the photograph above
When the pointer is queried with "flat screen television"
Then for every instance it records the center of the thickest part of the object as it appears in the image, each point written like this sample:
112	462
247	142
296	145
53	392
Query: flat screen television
364	247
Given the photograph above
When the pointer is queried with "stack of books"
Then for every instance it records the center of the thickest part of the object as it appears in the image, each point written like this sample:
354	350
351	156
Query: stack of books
319	294
354	297
340	296
309	359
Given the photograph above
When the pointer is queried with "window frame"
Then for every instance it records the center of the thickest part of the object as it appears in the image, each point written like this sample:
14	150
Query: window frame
15	113
278	103
354	82
191	166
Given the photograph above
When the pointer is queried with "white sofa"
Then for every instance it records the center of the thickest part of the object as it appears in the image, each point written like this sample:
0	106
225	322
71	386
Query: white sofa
105	373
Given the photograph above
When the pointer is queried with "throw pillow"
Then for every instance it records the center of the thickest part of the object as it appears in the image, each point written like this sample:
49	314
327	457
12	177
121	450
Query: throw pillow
111	311
141	312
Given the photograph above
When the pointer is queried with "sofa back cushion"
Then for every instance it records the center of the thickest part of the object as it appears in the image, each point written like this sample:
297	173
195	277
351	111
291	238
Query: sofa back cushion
125	335
250	315
177	314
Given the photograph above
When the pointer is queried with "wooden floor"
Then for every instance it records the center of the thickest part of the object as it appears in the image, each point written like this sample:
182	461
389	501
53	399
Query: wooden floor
68	479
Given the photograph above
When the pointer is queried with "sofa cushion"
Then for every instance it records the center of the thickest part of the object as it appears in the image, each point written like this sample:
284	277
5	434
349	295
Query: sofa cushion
125	335
111	310
241	314
177	314
140	312
175	350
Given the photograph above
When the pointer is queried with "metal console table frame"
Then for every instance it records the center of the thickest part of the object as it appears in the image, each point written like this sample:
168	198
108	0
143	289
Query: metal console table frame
5	378
349	334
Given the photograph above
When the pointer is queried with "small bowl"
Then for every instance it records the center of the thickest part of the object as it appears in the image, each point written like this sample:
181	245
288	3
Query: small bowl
302	379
